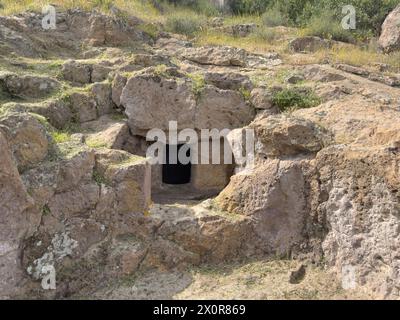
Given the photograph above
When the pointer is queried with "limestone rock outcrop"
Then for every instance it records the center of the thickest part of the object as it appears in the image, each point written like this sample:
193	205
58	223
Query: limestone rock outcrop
389	39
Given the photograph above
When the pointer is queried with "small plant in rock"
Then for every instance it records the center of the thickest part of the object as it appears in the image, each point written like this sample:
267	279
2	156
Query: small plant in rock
99	178
246	93
46	210
292	98
198	83
161	70
61	136
151	29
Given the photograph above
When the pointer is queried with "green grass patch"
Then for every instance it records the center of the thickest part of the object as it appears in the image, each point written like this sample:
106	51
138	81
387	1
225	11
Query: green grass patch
292	99
198	83
60	136
99	178
273	18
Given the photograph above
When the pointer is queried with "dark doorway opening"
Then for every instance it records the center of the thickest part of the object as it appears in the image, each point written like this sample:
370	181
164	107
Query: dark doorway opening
176	172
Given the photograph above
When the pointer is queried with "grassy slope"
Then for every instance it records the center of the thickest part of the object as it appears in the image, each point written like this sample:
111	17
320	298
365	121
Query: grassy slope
264	40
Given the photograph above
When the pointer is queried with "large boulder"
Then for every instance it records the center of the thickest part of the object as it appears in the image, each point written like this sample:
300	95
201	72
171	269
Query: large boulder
14	221
282	136
117	86
107	132
27	137
76	72
28	86
228	80
84	107
130	176
262	99
222	109
309	44
390	36
359	198
274	196
152	101
102	94
230	56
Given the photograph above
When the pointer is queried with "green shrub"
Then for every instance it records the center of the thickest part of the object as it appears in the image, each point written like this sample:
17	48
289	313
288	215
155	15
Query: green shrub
326	26
198	83
99	178
273	18
248	6
293	98
184	24
370	13
205	7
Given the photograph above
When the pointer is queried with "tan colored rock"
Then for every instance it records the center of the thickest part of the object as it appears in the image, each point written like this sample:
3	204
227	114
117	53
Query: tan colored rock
86	232
148	60
28	86
99	73
130	176
127	255
222	109
83	106
73	166
316	73
80	200
274	195
309	44
228	80
357	119
389	39
27	137
151	102
76	72
58	113
282	135
118	85
102	95
261	99
229	56
360	192
74	170
198	234
107	132
14	222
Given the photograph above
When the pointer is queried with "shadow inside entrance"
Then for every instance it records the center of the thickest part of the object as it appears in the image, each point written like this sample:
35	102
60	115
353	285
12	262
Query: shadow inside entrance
175	172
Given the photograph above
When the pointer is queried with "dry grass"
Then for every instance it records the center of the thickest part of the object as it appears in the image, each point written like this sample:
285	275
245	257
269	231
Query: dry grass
256	42
262	41
259	280
141	9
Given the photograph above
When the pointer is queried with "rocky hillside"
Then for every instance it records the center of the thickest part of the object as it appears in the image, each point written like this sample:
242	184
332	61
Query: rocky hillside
76	191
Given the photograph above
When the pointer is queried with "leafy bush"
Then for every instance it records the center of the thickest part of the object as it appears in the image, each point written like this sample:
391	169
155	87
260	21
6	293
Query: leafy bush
292	98
326	26
205	7
273	18
370	13
248	6
184	24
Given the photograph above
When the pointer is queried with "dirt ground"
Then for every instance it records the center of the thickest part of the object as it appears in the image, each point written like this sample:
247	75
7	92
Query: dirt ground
264	280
